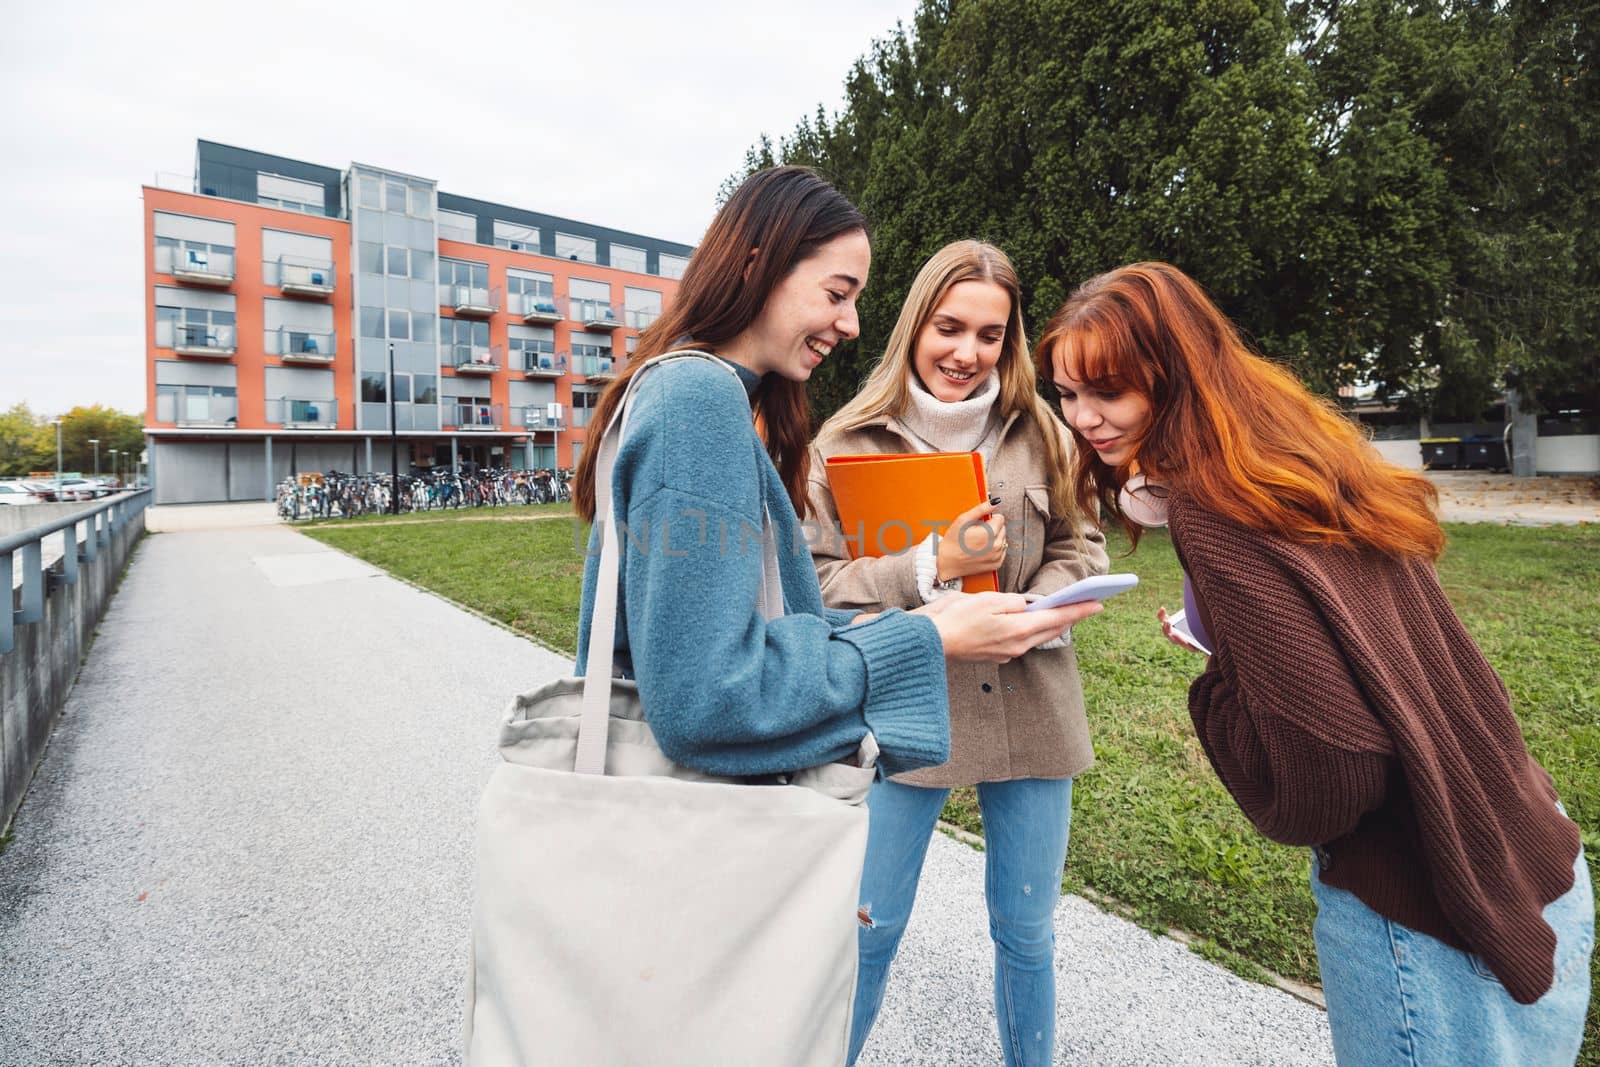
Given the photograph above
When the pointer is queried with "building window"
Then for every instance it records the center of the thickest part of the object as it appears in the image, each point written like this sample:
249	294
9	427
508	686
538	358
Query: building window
399	262
371	192
516	237
290	194
458	226
372	322
671	266
626	257
374	389
456	333
643	307
425	388
396	197
529	291
421	200
210	405
579	248
584	401
525	351
421	265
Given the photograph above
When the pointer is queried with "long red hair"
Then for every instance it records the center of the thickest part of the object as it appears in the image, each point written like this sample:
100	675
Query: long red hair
1238	433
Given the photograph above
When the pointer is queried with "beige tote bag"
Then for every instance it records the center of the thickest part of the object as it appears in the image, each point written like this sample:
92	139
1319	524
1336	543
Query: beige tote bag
635	913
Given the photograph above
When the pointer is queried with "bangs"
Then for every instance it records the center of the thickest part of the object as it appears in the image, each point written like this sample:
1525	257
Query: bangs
1099	353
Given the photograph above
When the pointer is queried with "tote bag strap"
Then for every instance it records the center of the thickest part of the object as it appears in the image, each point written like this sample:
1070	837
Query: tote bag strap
594	723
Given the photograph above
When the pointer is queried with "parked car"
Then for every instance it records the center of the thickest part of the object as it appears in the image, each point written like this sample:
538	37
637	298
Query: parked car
19	493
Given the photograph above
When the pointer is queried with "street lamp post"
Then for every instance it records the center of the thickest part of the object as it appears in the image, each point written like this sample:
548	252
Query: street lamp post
394	443
57	424
114	475
96	442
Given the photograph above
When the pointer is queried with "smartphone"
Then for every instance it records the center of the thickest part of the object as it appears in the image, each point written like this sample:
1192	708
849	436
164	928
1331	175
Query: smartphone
1094	587
1180	626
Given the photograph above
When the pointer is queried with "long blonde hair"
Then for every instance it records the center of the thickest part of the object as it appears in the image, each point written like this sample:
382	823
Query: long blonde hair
887	390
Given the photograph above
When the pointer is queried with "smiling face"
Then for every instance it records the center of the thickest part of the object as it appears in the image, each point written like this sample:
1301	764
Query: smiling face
809	312
960	343
1110	417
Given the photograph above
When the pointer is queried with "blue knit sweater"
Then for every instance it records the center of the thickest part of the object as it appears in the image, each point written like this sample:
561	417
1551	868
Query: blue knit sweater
725	690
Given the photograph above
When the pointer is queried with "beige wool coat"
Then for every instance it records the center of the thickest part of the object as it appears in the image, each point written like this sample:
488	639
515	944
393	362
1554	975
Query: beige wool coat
1023	719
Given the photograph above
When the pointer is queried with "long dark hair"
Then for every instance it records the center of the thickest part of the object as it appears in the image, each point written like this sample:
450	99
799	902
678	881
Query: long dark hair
772	222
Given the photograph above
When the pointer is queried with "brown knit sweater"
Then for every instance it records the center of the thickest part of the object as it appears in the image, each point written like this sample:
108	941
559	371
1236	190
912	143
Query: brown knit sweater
1346	707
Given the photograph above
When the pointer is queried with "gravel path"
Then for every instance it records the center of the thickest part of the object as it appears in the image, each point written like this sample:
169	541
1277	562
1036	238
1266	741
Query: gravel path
250	842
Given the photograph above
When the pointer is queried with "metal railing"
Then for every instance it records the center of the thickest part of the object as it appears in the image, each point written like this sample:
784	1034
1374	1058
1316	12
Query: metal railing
306	346
546	417
304	277
207	411
202	264
539	307
101	521
465	415
640	318
472	300
595	366
473	359
202	339
547	364
290	411
596	314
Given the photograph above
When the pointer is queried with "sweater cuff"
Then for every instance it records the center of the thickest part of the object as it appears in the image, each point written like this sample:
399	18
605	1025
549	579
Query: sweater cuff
1061	640
926	563
838	617
907	704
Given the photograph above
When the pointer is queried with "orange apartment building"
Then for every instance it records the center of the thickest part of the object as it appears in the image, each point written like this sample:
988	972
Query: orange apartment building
290	303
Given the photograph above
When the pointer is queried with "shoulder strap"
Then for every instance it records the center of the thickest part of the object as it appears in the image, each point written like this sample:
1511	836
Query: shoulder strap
594	724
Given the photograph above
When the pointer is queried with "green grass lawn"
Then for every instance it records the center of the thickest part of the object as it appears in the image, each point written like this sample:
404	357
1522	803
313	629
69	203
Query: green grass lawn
516	511
1152	827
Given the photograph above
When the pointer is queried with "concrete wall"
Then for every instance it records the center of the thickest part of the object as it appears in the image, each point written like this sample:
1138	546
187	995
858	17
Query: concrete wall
37	674
1576	454
1407	454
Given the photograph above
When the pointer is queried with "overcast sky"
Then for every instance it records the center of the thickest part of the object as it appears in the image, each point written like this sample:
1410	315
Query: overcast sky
622	114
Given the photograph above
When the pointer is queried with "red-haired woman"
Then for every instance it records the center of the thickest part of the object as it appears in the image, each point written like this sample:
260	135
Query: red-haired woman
1343	705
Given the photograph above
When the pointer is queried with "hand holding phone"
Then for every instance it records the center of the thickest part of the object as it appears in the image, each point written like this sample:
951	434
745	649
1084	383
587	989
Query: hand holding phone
1094	587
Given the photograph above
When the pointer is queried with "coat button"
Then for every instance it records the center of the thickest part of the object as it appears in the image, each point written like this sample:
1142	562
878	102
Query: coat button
987	688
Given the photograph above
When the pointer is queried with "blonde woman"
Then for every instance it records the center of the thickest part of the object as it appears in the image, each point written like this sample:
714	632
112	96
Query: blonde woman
957	377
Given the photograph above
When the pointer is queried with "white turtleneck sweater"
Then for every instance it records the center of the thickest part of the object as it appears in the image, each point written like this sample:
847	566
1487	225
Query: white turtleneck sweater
970	425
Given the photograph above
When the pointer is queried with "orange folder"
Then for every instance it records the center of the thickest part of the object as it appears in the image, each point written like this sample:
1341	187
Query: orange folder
894	501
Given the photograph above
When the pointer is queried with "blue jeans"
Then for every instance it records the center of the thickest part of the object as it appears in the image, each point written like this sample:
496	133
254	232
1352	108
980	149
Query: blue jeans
1396	996
1025	826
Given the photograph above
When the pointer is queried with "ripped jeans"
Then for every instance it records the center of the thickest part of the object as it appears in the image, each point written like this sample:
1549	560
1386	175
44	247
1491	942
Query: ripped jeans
1025	826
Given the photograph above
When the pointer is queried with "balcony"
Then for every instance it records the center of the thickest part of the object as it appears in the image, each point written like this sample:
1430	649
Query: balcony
300	346
471	302
543	365
473	359
540	418
202	266
207	342
598	368
303	277
214	411
597	314
471	415
640	318
292	413
543	310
